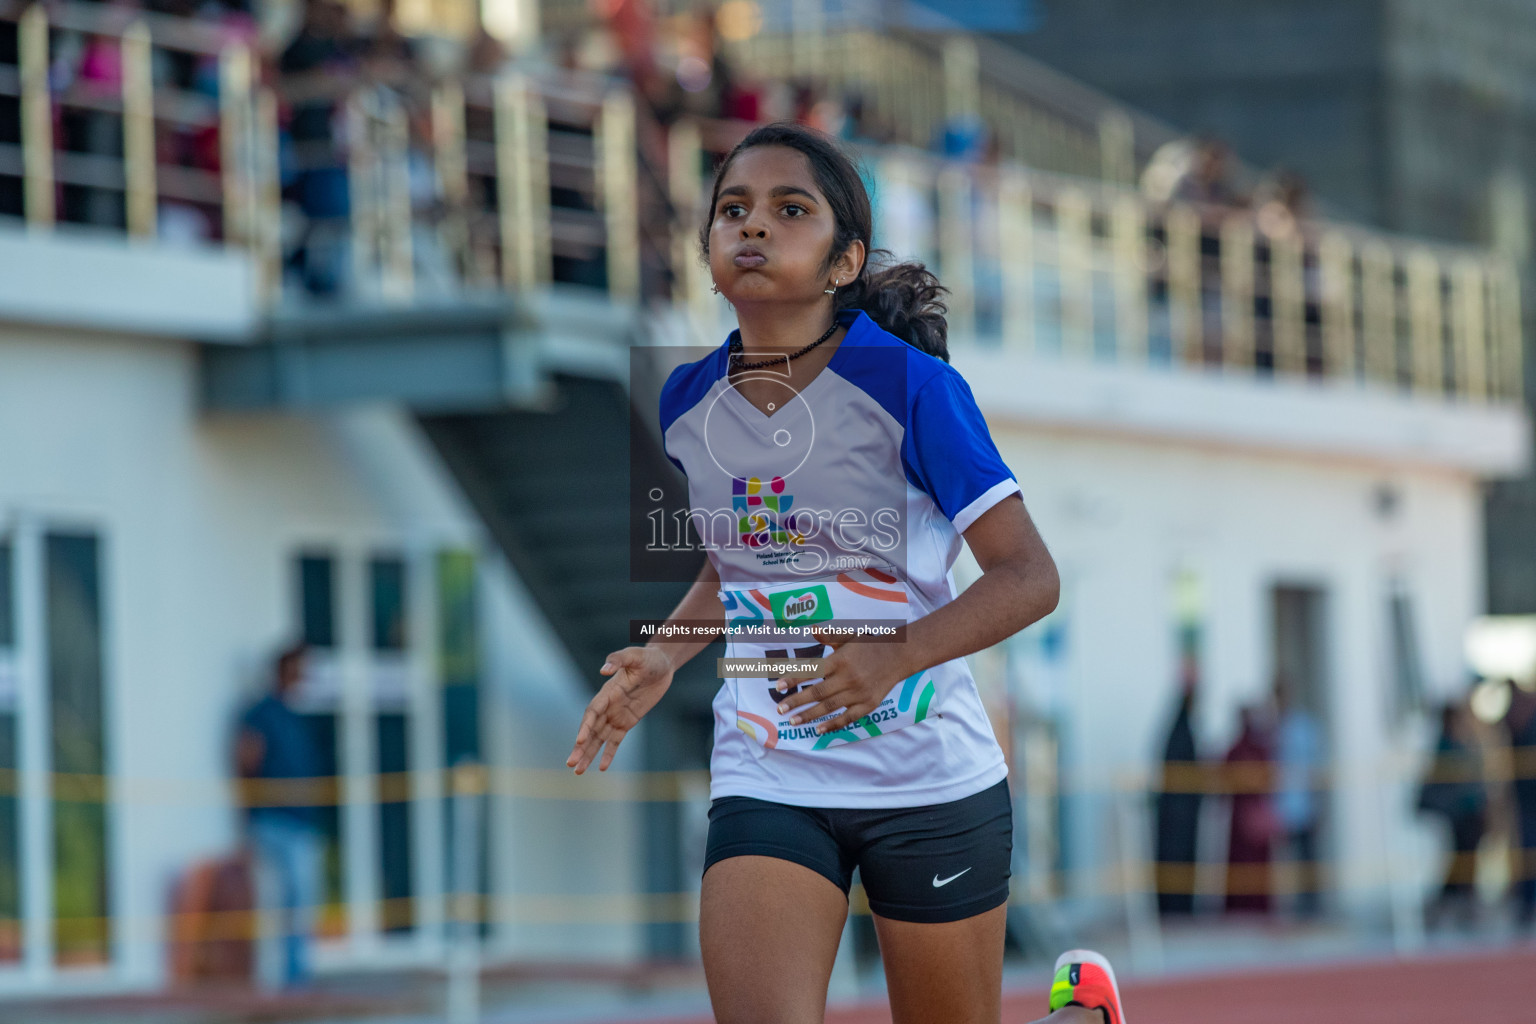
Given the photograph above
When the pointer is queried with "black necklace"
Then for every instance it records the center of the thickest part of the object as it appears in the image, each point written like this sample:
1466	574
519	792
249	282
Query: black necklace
737	364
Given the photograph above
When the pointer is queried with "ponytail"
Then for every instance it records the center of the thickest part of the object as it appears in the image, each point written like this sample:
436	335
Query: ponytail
904	299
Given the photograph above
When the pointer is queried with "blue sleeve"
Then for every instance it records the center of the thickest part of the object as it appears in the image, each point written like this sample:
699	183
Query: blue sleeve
949	454
668	410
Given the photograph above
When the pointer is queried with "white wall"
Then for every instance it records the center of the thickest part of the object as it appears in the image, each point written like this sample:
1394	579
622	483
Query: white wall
201	517
1123	512
77	277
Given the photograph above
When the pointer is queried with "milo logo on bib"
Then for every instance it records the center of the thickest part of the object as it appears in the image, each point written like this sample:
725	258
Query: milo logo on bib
801	607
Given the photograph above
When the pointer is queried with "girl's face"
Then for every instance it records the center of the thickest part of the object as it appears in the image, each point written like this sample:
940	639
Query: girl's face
771	229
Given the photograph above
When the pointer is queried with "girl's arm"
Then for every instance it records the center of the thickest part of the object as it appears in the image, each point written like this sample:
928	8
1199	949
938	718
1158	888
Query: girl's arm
1018	586
639	676
700	605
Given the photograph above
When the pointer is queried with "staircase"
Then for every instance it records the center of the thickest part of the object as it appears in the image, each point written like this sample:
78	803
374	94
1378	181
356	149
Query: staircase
550	485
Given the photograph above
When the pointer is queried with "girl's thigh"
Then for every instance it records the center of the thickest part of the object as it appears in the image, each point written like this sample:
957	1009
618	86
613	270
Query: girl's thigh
768	931
951	972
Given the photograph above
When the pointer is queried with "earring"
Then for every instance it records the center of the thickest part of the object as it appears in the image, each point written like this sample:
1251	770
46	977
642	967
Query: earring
833	289
715	288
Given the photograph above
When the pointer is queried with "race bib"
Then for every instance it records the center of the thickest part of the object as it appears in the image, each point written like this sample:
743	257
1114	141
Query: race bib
774	621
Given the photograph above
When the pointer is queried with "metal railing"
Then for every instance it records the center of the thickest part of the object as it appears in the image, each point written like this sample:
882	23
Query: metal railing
511	183
140	106
1080	269
912	85
1379	881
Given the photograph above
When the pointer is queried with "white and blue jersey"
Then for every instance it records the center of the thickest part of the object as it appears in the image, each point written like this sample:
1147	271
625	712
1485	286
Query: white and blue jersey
845	501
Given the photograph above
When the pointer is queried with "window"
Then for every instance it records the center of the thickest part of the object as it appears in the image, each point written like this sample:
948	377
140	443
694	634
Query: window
7	600
459	651
391	695
317	600
10	834
1407	669
393	737
386	578
72	607
320	694
459	668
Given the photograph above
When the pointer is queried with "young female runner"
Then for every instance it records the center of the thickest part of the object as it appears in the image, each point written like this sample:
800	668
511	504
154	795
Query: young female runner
834	461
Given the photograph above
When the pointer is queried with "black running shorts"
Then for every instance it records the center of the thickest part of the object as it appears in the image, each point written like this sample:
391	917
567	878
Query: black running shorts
941	862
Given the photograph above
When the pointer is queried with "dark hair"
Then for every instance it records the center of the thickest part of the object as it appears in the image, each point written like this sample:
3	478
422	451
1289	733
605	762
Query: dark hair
288	656
902	298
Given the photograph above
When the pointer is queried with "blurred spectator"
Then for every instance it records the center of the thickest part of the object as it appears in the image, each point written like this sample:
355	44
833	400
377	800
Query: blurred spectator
1178	805
283	825
11	204
1190	170
1254	826
1520	720
1282	203
98	72
740	99
963	137
861	125
433	257
1207	178
319	57
1453	789
486	54
1299	757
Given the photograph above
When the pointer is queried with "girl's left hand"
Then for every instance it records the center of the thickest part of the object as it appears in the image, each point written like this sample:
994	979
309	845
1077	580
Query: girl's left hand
856	676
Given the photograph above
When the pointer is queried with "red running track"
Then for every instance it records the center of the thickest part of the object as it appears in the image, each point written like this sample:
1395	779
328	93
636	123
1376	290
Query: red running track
1498	986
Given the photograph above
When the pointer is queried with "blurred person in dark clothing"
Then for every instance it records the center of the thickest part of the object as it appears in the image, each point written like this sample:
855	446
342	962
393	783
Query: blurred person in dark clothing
1249	771
275	744
1178	806
1520	720
1454	789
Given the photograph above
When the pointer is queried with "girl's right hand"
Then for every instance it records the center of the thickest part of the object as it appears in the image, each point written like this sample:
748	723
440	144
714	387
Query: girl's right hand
641	676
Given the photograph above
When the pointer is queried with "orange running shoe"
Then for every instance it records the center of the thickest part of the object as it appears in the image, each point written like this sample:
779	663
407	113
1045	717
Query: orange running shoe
1084	978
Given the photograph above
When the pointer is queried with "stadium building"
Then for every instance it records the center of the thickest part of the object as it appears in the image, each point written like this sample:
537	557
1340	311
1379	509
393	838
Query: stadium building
405	434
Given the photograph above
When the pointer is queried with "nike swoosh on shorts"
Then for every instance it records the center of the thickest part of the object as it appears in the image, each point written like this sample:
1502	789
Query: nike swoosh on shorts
951	878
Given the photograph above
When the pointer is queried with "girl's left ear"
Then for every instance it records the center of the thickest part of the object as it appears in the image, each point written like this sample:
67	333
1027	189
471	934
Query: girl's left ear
852	259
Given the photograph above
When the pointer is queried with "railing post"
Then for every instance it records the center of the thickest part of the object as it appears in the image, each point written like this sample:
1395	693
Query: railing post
1335	259
1074	259
1182	225
618	187
364	235
684	151
1469	330
1237	323
956	235
399	217
235	132
1130	240
139	130
1288	302
1016	231
1117	147
452	172
1380	312
1506	282
1425	326
522	184
962	86
266	229
36	117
